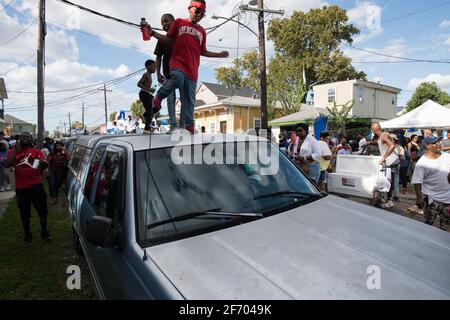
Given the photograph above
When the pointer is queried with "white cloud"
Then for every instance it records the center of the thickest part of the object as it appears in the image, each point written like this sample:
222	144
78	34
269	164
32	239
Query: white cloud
64	68
444	24
447	42
366	16
442	81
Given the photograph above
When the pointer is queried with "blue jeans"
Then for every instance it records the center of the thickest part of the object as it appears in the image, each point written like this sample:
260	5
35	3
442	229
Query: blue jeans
187	87
171	100
314	170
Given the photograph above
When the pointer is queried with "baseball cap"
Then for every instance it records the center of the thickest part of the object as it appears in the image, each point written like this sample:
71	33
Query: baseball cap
394	136
430	140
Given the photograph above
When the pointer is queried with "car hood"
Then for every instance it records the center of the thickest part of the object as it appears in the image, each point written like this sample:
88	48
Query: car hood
332	248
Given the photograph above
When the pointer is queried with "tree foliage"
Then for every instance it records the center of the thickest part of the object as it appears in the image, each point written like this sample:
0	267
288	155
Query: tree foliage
112	116
77	125
243	73
427	91
339	116
137	109
312	39
306	52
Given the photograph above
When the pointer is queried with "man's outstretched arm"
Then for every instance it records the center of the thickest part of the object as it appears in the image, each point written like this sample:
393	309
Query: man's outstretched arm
209	54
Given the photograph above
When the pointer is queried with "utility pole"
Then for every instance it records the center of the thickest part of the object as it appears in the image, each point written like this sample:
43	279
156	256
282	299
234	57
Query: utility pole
106	103
82	116
262	55
70	126
40	72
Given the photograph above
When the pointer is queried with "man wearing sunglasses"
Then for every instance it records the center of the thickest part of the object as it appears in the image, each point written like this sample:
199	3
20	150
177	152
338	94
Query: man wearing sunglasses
430	181
189	43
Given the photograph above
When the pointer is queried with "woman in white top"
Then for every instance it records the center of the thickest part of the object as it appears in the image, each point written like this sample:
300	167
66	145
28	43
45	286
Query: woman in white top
306	151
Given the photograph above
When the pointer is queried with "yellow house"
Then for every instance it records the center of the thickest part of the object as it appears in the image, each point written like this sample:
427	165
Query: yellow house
226	110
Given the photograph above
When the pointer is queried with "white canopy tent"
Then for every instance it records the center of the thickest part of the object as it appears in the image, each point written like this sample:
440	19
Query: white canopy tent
428	115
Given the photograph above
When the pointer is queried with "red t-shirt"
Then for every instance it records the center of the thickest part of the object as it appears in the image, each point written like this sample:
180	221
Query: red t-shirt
26	176
190	42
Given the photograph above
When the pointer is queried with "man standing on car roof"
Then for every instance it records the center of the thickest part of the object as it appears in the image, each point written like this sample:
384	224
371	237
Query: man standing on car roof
189	43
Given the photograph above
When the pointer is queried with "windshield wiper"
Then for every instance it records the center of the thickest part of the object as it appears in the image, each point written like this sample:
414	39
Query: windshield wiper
201	213
291	193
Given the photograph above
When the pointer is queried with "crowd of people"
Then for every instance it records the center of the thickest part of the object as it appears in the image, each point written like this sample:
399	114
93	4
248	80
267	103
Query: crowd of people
422	161
32	166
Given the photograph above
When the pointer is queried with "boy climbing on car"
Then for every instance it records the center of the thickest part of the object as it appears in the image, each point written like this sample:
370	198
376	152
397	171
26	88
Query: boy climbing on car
146	94
189	43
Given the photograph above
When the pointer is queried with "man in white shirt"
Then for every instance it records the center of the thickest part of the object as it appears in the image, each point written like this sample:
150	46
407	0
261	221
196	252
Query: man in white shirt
363	148
431	183
130	125
306	152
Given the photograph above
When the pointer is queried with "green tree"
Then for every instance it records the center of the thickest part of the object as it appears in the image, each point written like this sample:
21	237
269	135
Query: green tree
285	85
306	52
339	116
112	116
311	41
427	91
77	125
137	109
243	73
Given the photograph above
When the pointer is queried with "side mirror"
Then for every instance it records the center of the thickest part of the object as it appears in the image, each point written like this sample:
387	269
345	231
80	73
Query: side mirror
100	232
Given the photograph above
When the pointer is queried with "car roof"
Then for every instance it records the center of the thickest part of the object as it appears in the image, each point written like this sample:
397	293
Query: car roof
141	142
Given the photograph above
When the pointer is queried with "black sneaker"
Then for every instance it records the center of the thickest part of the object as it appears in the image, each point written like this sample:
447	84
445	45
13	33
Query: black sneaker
27	239
46	236
396	199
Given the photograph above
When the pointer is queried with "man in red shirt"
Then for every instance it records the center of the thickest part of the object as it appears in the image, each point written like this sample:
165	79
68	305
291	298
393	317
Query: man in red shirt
189	43
28	163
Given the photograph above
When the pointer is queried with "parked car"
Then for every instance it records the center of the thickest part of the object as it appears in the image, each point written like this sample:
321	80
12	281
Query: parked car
152	227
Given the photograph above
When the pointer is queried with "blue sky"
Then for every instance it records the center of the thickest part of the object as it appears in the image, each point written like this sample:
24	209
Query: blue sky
75	59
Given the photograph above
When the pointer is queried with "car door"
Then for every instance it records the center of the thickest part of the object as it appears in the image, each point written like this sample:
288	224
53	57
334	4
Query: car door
86	211
115	277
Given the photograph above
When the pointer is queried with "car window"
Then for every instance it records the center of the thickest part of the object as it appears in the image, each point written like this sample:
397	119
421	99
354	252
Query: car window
84	164
166	190
108	199
76	158
93	168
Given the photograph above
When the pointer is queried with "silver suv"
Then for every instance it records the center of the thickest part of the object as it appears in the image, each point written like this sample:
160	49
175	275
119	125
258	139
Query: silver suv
154	227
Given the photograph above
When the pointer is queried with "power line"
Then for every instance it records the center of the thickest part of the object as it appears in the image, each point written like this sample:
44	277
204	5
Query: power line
81	88
395	57
128	23
131	24
18	66
111	83
19	34
101	38
412	13
6	6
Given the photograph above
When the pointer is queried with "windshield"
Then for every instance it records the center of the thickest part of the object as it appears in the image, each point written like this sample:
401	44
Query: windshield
240	185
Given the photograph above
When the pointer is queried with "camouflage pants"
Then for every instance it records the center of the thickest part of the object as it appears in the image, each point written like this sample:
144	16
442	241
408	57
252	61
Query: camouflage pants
437	209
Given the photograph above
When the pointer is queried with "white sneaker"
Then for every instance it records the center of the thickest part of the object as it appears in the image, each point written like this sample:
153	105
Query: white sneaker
172	129
8	187
388	204
2	189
